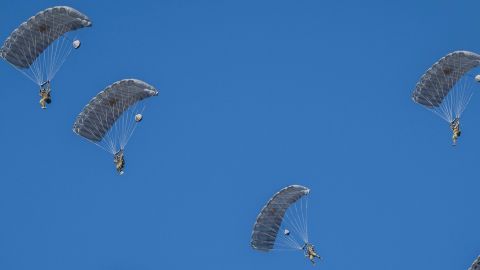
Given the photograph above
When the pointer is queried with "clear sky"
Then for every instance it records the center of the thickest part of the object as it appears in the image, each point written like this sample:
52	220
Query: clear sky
254	96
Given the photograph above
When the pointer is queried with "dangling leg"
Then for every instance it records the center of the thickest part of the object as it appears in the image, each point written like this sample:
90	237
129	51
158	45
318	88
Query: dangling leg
43	103
120	165
454	138
312	258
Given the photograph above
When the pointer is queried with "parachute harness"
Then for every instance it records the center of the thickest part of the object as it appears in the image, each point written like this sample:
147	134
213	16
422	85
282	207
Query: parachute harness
119	161
310	252
455	126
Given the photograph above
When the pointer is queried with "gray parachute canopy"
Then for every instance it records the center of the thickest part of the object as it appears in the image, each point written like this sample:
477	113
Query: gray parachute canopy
439	79
101	113
270	219
475	264
32	37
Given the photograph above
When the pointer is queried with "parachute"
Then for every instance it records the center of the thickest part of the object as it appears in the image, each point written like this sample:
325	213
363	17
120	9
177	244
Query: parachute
447	87
39	47
286	212
108	119
475	264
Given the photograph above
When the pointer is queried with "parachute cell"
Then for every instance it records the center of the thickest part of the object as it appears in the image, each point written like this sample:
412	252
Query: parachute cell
282	210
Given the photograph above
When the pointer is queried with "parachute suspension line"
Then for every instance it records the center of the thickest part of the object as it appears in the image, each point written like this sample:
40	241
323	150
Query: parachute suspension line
456	101
122	129
467	92
42	58
55	55
104	144
34	76
48	63
292	224
118	126
286	242
121	124
290	241
280	224
304	220
34	70
466	97
301	220
103	147
60	56
298	221
451	99
283	242
44	55
99	144
113	133
107	142
36	65
100	121
295	221
437	82
458	95
125	122
107	139
306	216
439	110
107	120
447	104
464	94
133	123
128	123
457	91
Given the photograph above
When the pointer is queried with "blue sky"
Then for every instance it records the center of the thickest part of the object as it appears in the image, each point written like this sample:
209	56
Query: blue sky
254	96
